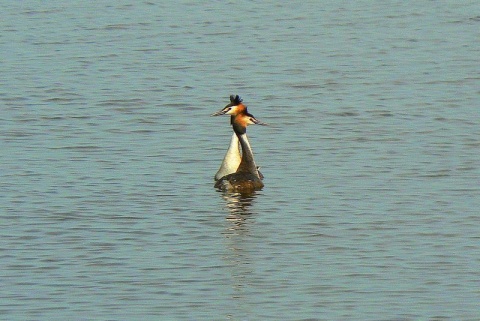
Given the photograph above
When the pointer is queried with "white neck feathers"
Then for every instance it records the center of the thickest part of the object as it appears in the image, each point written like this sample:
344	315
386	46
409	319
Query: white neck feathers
232	159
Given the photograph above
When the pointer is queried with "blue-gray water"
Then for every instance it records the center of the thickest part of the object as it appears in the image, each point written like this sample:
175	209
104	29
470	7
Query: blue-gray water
370	209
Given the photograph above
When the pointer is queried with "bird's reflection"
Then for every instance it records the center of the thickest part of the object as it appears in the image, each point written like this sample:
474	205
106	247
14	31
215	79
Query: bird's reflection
238	206
240	221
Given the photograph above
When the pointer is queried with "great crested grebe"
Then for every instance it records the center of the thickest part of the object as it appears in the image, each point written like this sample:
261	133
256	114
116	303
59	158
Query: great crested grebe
246	177
232	159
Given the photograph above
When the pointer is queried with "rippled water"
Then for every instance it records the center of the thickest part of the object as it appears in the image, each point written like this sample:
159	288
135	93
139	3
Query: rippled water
370	205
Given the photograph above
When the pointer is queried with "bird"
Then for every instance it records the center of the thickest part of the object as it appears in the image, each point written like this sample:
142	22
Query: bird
246	177
231	160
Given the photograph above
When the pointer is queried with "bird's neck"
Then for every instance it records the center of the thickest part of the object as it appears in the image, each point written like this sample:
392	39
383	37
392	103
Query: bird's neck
232	159
247	165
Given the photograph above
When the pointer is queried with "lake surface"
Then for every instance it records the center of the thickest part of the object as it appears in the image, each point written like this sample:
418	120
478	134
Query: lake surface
370	209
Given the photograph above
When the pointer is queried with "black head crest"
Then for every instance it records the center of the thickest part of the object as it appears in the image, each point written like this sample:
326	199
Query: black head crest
235	100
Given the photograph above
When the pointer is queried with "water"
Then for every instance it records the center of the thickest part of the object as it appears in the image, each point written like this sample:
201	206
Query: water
370	205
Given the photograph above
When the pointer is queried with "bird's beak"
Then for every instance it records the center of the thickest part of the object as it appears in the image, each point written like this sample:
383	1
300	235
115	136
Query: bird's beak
258	122
218	113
